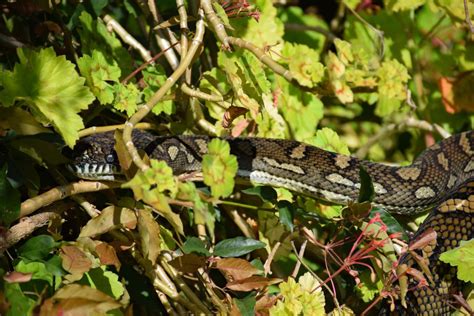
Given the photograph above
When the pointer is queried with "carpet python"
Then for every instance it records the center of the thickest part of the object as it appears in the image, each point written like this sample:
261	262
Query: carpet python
440	179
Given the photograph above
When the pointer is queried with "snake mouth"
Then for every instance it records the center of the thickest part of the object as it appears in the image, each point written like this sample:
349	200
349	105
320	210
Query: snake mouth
96	171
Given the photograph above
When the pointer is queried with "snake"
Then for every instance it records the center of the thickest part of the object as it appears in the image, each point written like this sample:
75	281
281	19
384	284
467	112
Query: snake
440	179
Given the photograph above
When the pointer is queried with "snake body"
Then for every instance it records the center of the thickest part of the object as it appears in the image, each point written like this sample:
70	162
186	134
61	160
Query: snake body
441	179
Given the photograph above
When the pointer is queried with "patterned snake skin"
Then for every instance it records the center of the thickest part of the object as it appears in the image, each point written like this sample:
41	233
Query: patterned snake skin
441	179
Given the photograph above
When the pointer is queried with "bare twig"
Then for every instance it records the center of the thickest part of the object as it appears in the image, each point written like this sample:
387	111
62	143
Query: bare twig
468	16
196	93
127	38
300	255
216	23
183	24
58	193
390	129
101	129
144	110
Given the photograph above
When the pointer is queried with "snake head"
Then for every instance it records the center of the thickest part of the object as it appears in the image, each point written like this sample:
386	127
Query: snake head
94	158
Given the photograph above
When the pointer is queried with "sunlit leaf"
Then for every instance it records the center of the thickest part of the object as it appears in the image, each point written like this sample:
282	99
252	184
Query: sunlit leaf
50	86
463	258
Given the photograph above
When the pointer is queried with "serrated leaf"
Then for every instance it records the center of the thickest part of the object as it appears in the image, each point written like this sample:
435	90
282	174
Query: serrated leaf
393	77
196	245
219	168
159	176
99	74
401	5
463	258
149	232
303	64
301	110
50	86
127	98
37	247
328	139
110	218
95	36
155	77
10	197
367	289
305	297
236	247
344	51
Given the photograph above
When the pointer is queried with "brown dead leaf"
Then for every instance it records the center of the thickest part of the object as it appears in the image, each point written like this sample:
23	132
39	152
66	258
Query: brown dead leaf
78	300
110	218
149	232
252	283
107	255
457	94
74	260
235	268
17	277
264	303
188	263
231	114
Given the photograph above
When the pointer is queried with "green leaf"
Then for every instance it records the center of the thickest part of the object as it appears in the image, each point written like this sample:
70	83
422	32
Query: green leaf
366	288
196	245
301	110
236	247
219	168
366	191
463	258
303	64
95	36
155	77
303	298
127	98
50	86
10	197
159	176
266	193
247	304
286	213
328	139
100	73
393	77
37	247
37	269
105	281
393	226
20	304
400	5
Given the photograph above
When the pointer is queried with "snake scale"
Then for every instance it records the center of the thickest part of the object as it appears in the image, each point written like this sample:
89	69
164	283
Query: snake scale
441	179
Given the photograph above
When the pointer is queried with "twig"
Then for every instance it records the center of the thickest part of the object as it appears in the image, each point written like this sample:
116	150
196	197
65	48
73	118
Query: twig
160	38
58	193
216	23
390	129
271	255
183	25
196	93
300	255
468	16
144	110
127	38
101	129
25	228
263	57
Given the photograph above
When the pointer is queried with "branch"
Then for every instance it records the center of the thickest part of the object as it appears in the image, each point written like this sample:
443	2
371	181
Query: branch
61	192
468	16
144	110
216	23
126	37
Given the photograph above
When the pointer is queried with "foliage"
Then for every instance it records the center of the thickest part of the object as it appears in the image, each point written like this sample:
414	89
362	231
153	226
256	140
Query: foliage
378	79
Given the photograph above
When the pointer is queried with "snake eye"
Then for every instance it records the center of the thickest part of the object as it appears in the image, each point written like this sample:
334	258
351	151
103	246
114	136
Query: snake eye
110	158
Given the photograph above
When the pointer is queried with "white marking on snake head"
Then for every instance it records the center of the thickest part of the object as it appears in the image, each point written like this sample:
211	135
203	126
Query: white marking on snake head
173	152
424	193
